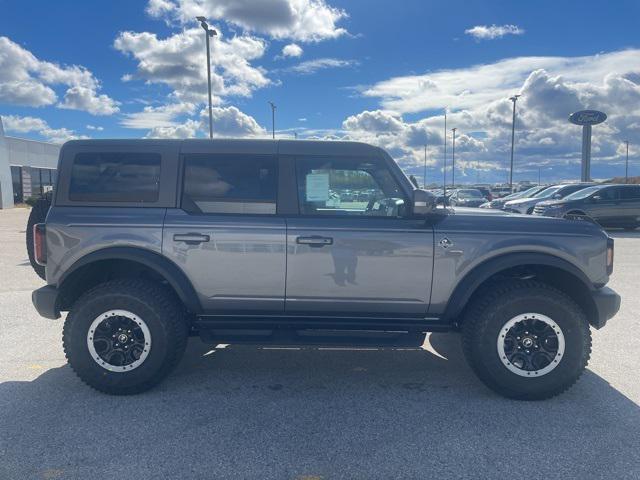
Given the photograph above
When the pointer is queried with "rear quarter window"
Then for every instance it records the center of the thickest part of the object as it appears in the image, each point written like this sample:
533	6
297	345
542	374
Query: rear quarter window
115	177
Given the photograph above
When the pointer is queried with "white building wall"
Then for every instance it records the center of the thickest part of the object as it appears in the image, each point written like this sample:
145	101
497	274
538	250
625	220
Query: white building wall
22	153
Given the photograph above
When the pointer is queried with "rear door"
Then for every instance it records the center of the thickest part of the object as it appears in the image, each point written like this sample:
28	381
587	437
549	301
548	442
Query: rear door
630	206
353	249
604	206
226	234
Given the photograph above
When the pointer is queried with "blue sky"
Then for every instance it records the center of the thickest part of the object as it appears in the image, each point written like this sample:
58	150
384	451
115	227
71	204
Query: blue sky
379	72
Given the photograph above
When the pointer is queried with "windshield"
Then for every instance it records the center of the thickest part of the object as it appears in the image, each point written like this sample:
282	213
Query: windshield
469	194
524	194
548	192
584	193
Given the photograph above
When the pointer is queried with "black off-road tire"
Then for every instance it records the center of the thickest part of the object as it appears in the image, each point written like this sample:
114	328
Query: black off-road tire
160	310
38	215
499	303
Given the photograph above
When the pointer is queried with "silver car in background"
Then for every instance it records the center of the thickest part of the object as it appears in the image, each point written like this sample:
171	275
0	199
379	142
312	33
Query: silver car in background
555	192
498	203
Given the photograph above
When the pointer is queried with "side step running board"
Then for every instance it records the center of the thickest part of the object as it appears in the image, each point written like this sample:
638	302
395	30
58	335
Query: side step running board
316	337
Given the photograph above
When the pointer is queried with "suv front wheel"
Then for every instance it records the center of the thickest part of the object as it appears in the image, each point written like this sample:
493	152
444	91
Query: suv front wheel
526	340
124	336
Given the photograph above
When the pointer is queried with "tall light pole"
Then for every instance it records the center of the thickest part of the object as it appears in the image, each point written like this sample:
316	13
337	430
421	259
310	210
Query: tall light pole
444	181
209	32
453	159
626	165
424	174
514	99
273	120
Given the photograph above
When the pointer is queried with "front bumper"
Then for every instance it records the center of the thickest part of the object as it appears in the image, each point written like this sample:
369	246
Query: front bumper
607	304
45	299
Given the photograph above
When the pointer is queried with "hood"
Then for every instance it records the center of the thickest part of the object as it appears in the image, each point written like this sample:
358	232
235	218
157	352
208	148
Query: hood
521	201
553	203
478	211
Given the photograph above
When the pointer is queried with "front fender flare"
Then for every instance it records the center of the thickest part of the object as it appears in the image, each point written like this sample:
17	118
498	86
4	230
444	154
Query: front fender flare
478	275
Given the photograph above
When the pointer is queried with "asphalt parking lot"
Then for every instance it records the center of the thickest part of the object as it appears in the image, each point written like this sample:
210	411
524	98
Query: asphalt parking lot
242	412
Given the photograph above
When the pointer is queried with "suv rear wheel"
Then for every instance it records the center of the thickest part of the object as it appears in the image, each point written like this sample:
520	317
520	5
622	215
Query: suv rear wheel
124	336
526	340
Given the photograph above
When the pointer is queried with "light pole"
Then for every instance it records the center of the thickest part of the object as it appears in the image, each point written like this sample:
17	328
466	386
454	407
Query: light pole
273	120
444	181
514	99
424	174
209	32
453	159
626	165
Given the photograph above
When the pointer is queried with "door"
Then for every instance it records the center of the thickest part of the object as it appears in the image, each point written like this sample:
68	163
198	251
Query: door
227	237
353	250
604	207
630	206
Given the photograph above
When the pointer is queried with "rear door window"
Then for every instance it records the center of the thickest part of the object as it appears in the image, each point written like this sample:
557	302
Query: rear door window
115	177
630	193
233	184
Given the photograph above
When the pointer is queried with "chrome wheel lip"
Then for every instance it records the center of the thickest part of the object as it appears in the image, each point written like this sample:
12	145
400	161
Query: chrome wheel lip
118	368
530	373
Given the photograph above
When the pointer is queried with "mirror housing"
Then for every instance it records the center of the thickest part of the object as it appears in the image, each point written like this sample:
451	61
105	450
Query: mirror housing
423	202
596	198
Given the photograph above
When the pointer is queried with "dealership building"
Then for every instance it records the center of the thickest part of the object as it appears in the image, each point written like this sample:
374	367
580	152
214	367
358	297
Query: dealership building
27	168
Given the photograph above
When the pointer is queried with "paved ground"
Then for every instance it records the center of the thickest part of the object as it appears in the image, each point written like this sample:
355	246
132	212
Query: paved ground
308	414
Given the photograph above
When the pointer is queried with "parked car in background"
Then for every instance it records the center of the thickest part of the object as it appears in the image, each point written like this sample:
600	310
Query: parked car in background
485	191
466	197
499	192
498	203
555	192
609	205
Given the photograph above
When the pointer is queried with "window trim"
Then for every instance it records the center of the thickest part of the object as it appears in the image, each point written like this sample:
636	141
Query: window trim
168	152
111	201
182	176
408	214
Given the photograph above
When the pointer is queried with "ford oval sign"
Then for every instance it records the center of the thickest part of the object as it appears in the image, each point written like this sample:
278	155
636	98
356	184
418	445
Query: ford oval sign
587	117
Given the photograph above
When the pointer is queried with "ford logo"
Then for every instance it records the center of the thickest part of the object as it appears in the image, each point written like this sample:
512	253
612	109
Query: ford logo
587	117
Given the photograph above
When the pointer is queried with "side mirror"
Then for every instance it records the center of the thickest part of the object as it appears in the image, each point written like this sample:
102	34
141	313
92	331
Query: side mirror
423	202
596	198
557	195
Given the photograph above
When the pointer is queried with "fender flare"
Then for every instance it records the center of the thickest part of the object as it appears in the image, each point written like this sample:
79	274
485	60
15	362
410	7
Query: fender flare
478	275
156	262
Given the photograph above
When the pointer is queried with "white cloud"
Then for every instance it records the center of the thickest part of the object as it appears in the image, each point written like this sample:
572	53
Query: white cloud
551	88
26	80
486	32
227	122
312	66
94	128
18	124
179	61
292	50
479	85
303	20
158	117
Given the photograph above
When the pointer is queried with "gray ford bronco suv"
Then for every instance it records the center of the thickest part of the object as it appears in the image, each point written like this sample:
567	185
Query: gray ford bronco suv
148	242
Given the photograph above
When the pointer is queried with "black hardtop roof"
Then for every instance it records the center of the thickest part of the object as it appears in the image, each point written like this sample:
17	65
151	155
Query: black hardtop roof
229	145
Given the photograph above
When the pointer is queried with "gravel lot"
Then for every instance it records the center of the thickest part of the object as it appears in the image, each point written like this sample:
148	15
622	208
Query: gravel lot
308	413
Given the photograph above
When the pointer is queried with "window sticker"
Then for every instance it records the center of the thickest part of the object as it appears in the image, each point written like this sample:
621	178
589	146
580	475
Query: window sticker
317	187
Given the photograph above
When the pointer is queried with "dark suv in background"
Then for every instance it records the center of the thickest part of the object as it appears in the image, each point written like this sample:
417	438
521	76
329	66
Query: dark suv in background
609	205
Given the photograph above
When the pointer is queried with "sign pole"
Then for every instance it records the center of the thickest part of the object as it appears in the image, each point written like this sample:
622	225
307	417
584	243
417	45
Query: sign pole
586	119
586	153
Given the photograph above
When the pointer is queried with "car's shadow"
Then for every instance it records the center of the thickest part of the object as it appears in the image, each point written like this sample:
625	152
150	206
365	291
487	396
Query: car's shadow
244	412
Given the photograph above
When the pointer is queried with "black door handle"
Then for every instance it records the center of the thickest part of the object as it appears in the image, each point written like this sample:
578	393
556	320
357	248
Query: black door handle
190	238
314	241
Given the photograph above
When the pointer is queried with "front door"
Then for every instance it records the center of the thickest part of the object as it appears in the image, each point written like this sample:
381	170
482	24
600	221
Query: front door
353	250
227	237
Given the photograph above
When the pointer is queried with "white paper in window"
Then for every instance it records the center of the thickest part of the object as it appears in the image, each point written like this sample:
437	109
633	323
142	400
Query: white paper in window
317	187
